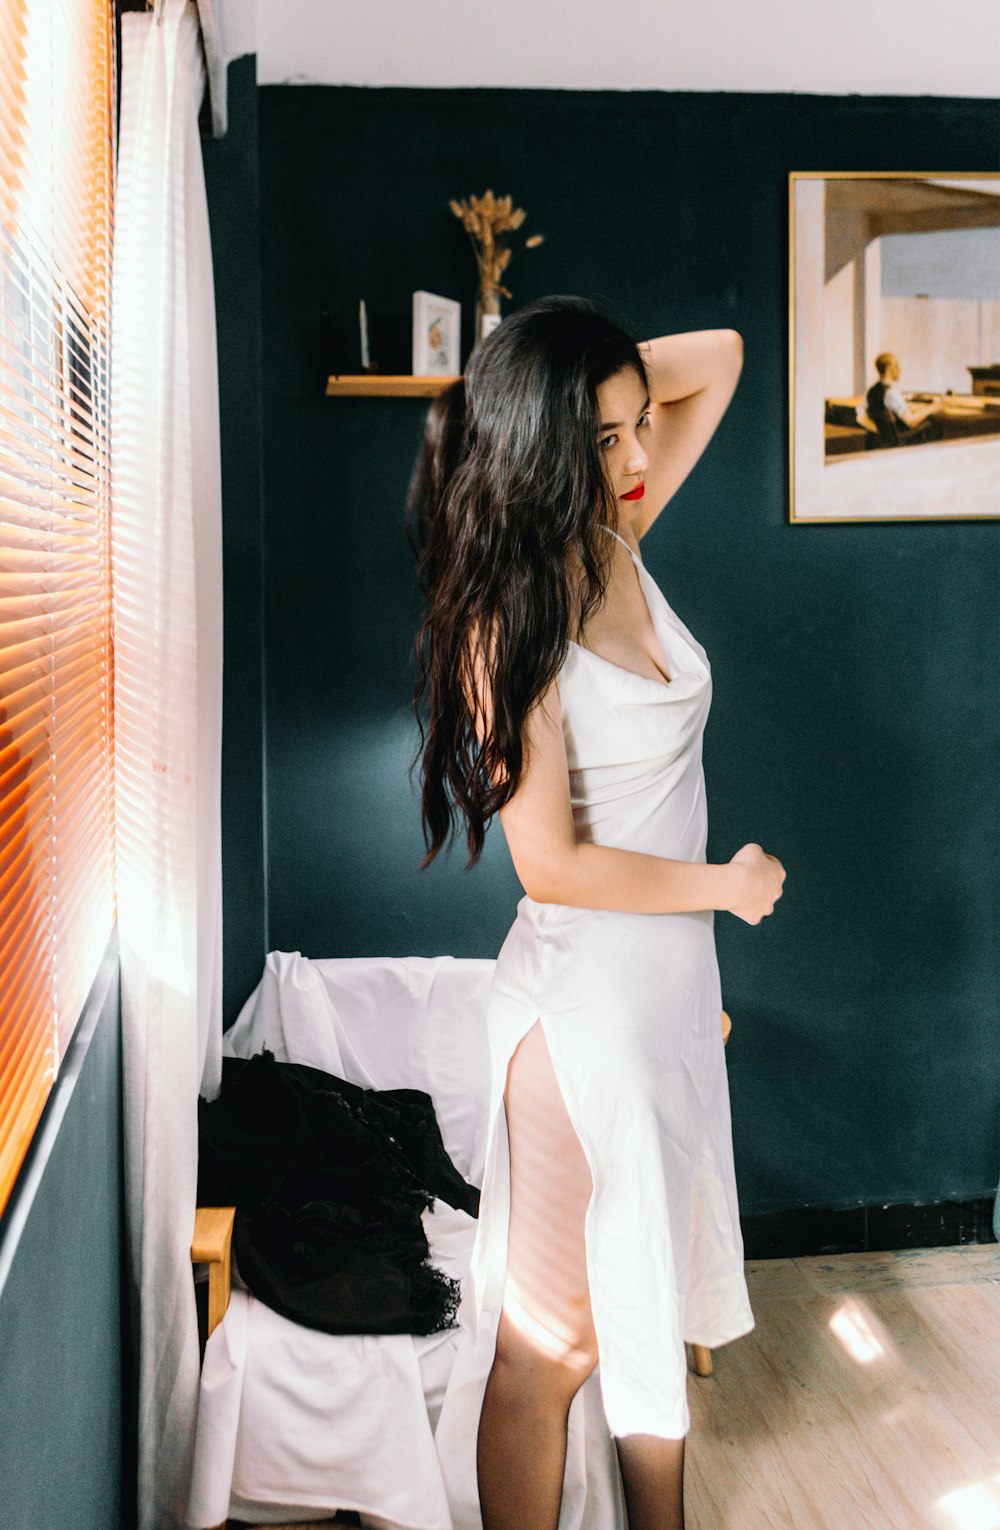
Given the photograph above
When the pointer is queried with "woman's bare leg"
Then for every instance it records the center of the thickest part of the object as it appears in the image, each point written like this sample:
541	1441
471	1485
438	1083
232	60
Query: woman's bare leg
546	1346
653	1478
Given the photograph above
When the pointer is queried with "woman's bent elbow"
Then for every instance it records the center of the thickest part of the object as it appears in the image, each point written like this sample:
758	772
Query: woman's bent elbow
545	884
537	889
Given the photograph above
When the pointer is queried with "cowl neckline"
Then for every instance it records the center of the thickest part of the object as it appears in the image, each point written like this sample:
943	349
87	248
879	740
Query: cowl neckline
688	670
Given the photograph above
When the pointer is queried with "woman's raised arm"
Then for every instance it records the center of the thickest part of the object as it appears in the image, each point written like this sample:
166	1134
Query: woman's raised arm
692	377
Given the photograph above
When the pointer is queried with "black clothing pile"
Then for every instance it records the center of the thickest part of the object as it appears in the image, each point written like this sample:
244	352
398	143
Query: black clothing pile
329	1182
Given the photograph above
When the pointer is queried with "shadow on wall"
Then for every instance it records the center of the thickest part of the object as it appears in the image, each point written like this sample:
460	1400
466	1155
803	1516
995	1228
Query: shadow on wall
367	896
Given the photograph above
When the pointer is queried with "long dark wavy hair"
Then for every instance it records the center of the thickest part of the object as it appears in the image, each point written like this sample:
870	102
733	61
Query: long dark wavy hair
509	482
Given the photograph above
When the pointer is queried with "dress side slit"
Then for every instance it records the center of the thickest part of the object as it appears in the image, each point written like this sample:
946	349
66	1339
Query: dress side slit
546	1291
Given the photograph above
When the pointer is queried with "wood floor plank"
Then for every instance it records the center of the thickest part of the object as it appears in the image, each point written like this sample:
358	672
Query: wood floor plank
866	1398
956	1357
793	1392
768	1278
985	1257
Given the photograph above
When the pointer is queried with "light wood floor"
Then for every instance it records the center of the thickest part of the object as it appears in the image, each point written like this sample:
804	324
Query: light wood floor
867	1397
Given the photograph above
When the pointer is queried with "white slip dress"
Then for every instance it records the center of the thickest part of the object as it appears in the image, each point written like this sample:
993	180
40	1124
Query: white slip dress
630	1005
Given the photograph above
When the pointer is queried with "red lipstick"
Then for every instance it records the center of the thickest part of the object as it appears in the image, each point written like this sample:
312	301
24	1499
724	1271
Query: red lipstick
635	493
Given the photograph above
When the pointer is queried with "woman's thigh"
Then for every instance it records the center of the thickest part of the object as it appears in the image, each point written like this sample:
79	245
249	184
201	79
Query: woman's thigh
546	1298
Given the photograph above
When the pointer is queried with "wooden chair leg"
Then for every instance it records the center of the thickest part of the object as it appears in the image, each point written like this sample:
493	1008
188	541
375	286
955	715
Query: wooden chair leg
702	1359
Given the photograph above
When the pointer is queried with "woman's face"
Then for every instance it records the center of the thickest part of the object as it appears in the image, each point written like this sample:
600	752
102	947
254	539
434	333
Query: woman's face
623	433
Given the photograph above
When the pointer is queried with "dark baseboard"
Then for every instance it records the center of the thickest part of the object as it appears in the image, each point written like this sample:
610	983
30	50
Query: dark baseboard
858	1229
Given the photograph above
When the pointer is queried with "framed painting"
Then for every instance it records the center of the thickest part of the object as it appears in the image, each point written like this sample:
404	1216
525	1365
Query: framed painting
894	346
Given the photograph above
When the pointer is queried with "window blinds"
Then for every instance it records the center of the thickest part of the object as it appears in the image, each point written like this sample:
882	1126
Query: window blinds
57	88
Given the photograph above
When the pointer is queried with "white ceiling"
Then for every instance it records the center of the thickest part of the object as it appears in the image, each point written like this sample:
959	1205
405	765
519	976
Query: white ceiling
873	47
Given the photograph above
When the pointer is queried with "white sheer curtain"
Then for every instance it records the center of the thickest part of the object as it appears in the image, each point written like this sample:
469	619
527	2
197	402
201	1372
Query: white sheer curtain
167	591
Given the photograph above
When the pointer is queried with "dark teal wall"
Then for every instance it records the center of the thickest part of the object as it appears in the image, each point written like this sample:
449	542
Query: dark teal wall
855	721
62	1321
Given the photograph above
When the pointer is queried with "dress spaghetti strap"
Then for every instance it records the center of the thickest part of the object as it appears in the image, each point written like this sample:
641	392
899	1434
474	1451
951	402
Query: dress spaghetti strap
621	540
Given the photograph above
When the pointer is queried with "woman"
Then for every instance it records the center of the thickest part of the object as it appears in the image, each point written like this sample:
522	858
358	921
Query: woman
563	694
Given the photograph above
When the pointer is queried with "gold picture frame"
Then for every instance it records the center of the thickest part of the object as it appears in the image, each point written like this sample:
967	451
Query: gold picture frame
902	268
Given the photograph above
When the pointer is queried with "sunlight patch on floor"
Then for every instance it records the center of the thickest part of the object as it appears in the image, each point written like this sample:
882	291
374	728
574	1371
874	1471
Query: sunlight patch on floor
976	1507
853	1328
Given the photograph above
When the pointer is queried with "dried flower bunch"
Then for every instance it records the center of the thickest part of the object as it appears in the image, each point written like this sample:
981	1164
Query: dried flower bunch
487	220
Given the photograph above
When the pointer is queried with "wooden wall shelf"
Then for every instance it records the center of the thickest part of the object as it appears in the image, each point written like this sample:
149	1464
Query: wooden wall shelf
373	385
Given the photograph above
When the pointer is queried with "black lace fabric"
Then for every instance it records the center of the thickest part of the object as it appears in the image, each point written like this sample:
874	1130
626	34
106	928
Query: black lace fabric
329	1182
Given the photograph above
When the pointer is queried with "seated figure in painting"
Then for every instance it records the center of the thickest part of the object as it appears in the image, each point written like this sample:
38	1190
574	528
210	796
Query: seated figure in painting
897	423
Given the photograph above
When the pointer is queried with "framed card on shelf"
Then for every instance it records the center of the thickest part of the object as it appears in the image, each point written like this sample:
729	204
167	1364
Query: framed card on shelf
437	334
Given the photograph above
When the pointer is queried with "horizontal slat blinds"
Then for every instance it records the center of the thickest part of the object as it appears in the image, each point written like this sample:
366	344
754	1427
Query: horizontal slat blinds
57	81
